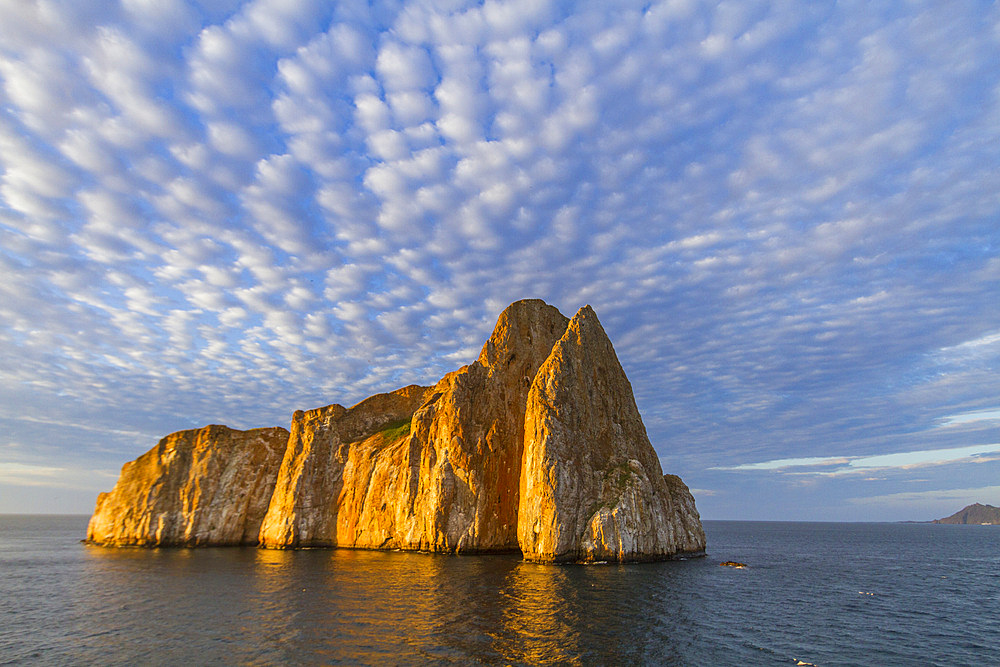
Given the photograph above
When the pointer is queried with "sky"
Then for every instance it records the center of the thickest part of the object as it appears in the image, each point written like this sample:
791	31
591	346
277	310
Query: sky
785	214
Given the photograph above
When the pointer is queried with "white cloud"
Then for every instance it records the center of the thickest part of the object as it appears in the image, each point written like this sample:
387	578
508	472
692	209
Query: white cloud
865	464
281	23
987	344
372	112
956	497
410	108
971	417
781	464
162	17
403	68
20	473
231	139
26	474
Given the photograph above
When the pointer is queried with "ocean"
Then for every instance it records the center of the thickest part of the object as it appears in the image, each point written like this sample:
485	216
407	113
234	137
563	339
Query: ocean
820	593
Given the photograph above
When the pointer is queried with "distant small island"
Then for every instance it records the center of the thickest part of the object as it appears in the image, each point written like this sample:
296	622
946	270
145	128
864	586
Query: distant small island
984	515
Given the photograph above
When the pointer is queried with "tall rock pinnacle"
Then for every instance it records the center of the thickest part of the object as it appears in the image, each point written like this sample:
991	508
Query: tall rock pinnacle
591	482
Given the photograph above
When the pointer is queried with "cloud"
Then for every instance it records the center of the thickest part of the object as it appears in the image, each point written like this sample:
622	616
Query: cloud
76	426
970	417
781	464
21	474
164	18
956	497
403	68
28	474
866	464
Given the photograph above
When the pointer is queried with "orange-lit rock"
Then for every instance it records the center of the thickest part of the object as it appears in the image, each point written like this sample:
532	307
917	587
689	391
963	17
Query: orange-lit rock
469	437
328	470
203	487
447	483
537	445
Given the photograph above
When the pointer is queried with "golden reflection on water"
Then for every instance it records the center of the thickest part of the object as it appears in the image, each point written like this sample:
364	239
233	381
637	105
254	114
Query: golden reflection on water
364	606
537	624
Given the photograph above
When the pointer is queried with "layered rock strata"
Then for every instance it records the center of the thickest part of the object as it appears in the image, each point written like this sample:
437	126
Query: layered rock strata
535	446
449	483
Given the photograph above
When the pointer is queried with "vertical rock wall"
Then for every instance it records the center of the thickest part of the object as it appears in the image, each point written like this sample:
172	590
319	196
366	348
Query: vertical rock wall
449	484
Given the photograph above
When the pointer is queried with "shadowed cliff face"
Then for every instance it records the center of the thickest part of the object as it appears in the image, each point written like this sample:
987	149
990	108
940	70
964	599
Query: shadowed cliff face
537	445
591	482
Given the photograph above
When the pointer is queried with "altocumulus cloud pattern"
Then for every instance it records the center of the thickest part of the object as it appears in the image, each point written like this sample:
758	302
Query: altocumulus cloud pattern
786	214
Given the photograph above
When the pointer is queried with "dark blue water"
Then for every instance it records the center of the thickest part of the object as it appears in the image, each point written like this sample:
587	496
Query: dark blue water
824	593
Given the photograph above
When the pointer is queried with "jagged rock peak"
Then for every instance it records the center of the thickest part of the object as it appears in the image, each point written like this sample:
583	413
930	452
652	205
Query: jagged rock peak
527	326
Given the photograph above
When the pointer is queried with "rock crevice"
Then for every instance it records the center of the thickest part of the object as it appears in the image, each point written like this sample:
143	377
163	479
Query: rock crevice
535	446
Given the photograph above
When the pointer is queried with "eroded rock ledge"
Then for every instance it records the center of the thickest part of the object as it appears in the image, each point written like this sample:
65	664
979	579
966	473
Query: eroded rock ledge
536	446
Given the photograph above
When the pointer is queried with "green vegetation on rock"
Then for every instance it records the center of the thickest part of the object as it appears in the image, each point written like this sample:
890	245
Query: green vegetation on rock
396	430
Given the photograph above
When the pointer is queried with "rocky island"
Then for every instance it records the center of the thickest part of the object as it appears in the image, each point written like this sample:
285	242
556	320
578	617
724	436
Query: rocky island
976	513
537	446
